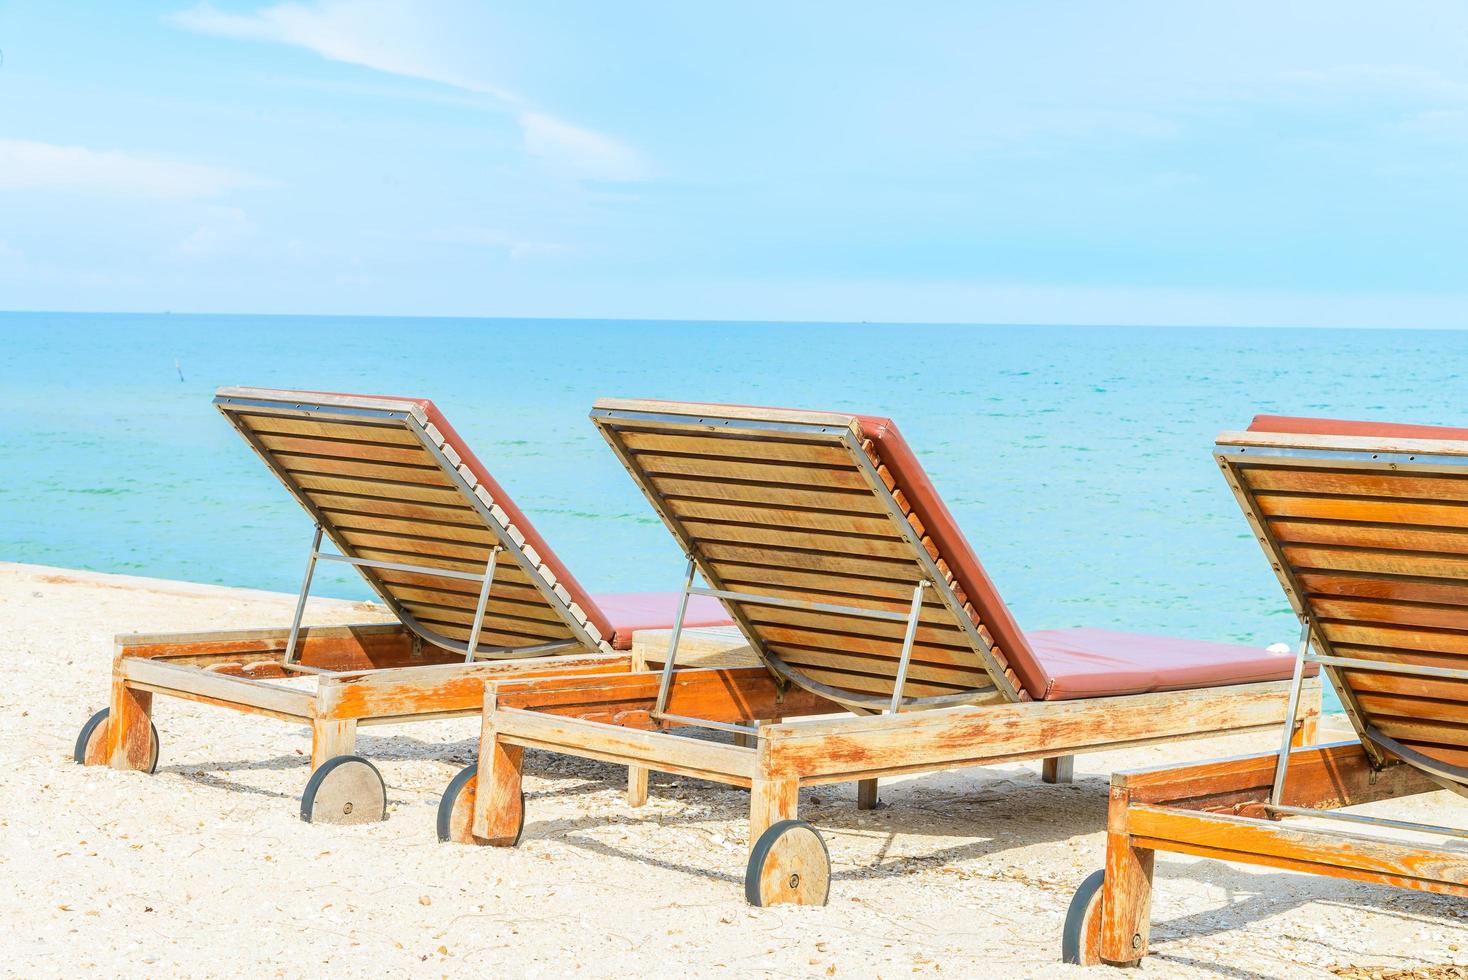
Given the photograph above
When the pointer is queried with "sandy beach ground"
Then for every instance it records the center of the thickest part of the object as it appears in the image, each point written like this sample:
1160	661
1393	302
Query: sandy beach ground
206	869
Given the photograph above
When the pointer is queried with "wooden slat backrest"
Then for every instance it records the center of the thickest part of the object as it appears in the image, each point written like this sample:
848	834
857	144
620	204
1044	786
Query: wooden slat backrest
791	505
384	485
1369	538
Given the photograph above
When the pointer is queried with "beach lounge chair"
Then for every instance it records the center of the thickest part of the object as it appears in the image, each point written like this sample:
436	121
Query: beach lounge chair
476	591
1366	526
848	577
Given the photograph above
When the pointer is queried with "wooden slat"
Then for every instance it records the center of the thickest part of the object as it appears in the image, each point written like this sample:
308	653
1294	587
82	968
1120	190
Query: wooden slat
478	554
931	612
1383	562
511	620
779	495
412	475
868	684
1420	730
410	528
1366	634
795	474
1368	536
526	606
409	510
944	634
855	644
1436	710
394	433
1364	510
883	667
1397	613
368	452
491	635
409	492
1385	587
898	570
1358	484
663	443
781	518
889	546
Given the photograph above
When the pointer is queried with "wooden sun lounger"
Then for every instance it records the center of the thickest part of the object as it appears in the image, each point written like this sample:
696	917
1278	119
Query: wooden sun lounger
478	595
1366	526
848	578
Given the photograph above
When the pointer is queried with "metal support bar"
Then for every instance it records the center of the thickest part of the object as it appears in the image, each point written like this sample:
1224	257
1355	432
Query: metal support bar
1362	818
824	607
665	682
290	643
1276	791
472	647
1392	667
912	625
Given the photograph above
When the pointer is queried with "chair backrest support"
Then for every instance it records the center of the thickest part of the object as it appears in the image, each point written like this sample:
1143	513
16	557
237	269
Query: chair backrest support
790	510
1366	527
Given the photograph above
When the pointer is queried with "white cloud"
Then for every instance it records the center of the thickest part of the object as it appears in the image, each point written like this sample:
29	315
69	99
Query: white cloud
30	165
222	230
516	248
402	37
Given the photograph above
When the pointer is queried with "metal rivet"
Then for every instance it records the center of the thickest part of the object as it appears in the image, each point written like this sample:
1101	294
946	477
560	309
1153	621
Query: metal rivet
346	808
794	881
1136	940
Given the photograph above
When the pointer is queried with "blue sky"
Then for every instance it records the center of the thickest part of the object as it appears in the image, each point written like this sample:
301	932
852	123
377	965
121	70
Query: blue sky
1239	163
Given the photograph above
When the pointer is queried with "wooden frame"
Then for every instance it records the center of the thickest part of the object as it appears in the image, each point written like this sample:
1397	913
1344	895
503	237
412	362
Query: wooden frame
364	674
612	719
1219	809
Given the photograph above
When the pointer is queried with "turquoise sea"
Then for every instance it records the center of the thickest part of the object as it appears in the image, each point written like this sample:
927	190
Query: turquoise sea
1075	458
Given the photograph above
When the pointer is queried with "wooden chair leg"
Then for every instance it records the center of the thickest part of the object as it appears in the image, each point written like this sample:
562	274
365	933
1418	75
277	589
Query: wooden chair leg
636	786
330	739
866	794
1058	769
129	728
770	801
1126	899
499	802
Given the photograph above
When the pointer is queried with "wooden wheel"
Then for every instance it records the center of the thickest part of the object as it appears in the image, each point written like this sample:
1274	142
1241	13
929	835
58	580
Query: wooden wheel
91	744
456	811
346	789
1080	942
789	864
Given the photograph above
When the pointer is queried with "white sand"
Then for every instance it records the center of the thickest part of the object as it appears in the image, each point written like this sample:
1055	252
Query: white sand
206	868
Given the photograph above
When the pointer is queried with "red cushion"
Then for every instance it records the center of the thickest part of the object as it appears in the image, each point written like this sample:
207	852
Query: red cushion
1089	663
631	611
1343	427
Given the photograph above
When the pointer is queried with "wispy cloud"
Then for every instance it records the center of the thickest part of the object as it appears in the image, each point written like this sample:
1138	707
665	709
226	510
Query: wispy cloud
31	165
397	37
222	230
488	238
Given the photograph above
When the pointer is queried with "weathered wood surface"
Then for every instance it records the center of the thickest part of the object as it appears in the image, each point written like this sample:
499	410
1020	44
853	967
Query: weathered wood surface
1312	850
445	688
1364	444
190	682
365	646
499	805
890	744
1319	777
129	735
663	751
770	801
330	739
736	695
700	646
1126	902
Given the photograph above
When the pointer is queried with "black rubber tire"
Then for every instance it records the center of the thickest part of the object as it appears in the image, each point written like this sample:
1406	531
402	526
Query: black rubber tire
1075	916
79	754
313	785
450	799
761	851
